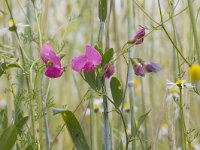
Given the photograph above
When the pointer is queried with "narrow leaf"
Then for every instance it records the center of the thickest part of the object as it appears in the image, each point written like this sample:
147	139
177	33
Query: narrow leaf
116	90
20	123
75	130
107	56
8	138
102	10
90	79
2	68
142	119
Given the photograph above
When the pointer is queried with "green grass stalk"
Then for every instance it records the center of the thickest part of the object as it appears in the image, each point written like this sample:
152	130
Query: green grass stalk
131	72
194	29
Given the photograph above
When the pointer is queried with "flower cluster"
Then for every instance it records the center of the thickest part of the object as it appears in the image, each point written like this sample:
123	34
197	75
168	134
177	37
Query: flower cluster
141	67
54	69
89	61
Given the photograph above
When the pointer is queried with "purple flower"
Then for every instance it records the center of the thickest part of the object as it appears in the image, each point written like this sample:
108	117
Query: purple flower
54	69
139	37
110	70
152	66
87	61
139	70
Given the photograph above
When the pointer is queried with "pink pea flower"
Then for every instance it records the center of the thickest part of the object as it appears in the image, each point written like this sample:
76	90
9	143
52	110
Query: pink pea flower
152	67
54	69
139	37
87	61
139	70
110	70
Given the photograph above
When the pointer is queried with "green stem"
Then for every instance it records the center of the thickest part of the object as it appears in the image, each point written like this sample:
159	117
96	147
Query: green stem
194	29
24	66
131	72
183	120
163	26
46	127
107	138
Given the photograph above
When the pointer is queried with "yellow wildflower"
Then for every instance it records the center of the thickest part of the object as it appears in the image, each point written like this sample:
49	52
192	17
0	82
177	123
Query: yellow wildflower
194	72
136	83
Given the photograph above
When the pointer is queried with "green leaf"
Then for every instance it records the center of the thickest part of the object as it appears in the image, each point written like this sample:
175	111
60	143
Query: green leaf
3	119
20	123
116	91
3	67
90	79
75	130
102	10
134	127
107	56
8	138
142	119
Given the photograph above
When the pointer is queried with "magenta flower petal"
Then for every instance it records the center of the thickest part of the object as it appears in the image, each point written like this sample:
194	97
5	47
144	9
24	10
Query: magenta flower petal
55	59
89	67
48	55
52	61
110	70
92	55
78	62
139	37
45	51
54	72
138	69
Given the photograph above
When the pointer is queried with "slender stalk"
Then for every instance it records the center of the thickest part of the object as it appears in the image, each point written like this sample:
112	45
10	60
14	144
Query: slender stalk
123	121
24	65
194	29
176	60
44	98
30	17
182	120
131	72
107	138
175	46
93	129
144	110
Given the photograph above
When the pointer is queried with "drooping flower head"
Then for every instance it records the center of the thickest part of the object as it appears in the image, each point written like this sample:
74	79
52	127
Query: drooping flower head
110	70
194	72
139	70
54	69
139	37
87	61
152	67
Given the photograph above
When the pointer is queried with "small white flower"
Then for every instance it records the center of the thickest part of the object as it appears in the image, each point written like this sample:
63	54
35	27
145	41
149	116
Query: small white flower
97	105
163	131
182	83
12	26
173	94
127	107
